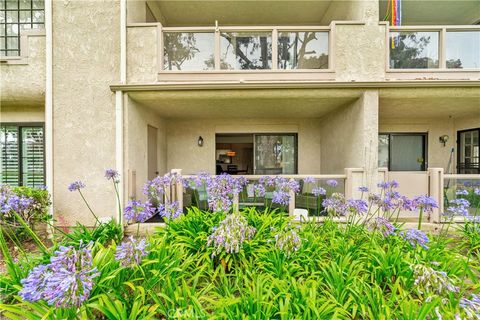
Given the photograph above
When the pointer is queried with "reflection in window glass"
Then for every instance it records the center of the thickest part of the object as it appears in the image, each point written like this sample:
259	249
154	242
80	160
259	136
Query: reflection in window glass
189	51
413	50
275	154
16	16
463	49
303	50
383	150
245	50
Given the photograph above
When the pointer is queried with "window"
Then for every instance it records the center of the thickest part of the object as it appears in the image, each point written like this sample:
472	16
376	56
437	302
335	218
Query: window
463	49
468	151
414	50
245	50
303	50
402	151
189	51
275	153
22	155
16	16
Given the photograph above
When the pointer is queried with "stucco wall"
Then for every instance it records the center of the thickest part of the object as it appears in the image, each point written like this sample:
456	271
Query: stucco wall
142	54
137	119
438	155
349	136
185	154
85	63
359	52
22	114
23	85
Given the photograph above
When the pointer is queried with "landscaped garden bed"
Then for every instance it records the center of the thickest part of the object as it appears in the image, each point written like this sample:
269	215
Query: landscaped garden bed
250	264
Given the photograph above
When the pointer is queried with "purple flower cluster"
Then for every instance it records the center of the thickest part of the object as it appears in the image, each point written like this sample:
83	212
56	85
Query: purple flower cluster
319	191
307	180
415	237
288	241
425	203
390	199
131	251
383	225
136	211
476	191
357	206
332	183
112	174
158	187
77	185
336	205
259	190
13	202
230	235
363	189
65	282
471	306
281	188
430	282
221	190
170	210
458	206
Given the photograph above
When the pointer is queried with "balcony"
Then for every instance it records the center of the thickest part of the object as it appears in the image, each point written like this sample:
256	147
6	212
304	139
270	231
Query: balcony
245	53
430	51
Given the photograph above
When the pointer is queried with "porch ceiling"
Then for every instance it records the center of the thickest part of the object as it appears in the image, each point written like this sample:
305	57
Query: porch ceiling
245	104
241	12
429	103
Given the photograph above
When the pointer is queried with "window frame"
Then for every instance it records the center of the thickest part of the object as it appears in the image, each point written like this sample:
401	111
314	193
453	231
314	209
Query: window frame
20	126
425	148
459	132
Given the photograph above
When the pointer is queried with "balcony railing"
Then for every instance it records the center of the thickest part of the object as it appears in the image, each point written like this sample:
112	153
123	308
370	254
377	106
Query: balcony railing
245	48
447	48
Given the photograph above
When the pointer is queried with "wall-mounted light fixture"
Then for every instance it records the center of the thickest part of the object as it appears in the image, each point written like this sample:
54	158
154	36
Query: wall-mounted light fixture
200	141
443	139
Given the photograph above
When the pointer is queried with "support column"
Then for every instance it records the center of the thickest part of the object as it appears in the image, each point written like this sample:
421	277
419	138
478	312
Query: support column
435	176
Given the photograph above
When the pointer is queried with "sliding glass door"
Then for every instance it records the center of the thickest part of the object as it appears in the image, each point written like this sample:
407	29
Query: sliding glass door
469	151
275	154
402	151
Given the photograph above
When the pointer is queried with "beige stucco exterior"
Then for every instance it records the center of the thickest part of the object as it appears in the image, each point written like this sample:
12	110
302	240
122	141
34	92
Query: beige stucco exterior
337	112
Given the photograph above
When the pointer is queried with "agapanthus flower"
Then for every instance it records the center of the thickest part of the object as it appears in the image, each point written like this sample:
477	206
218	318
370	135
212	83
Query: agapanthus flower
384	226
77	185
136	211
281	197
415	237
363	189
319	191
462	192
19	204
112	174
309	180
288	241
170	210
65	282
430	282
335	204
357	206
332	183
476	191
259	190
230	235
471	306
458	206
425	203
131	251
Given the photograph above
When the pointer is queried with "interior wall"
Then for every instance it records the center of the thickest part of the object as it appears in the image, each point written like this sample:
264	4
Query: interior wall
185	154
138	118
349	137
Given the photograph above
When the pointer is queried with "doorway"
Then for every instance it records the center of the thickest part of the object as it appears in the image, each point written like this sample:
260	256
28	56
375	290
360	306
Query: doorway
468	143
402	151
269	154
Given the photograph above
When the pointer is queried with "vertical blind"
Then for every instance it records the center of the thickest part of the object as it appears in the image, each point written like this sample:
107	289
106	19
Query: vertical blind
22	157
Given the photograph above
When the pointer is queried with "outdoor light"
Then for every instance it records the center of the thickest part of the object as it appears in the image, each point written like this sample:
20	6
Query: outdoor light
443	139
200	141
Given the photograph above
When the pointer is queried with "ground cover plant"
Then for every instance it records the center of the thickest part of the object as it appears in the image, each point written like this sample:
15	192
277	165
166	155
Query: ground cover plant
222	263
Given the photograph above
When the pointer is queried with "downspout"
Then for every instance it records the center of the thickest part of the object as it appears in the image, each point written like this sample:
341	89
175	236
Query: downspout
49	103
119	103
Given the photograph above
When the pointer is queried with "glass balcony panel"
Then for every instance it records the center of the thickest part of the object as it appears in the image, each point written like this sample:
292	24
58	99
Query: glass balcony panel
303	50
463	49
413	50
191	51
245	50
